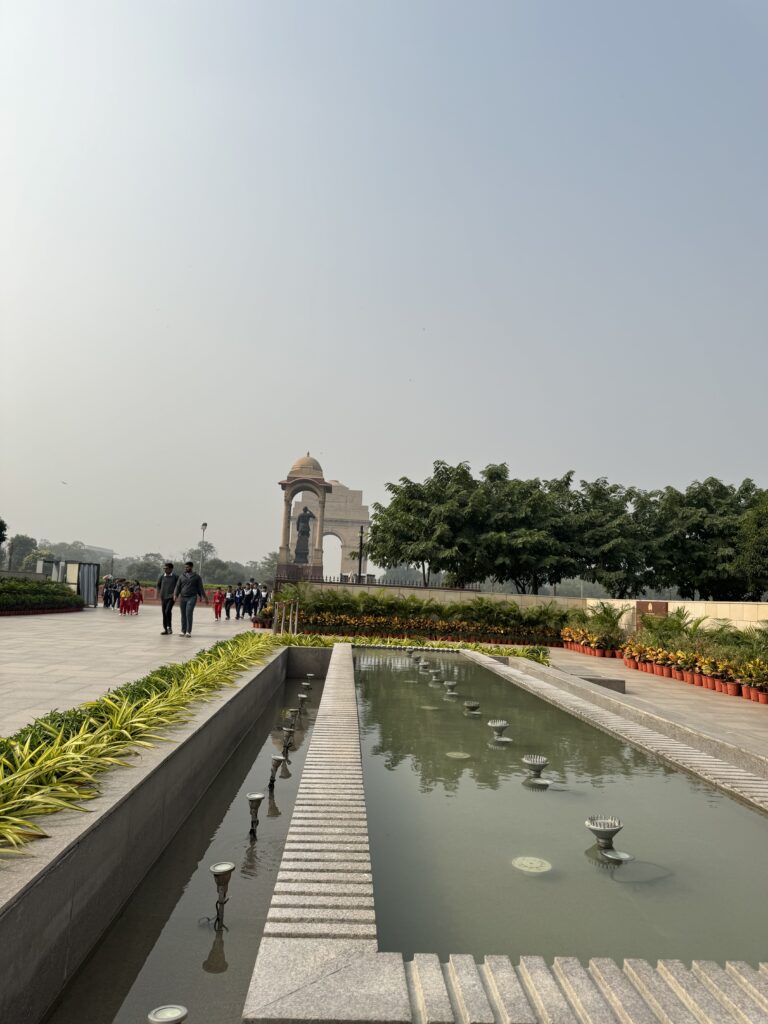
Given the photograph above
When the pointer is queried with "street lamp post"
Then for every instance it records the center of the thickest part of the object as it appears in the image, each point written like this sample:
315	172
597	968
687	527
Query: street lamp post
203	527
360	558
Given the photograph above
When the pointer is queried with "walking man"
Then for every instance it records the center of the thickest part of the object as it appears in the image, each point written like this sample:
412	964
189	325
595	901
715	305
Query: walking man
188	588
166	586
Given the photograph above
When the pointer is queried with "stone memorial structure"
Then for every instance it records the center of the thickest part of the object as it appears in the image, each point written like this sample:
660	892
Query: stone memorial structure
326	508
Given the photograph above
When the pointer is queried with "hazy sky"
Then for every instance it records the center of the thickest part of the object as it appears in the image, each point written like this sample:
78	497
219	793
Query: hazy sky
388	232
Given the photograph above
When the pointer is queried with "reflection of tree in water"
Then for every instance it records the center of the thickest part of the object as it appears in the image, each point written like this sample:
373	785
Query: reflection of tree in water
392	695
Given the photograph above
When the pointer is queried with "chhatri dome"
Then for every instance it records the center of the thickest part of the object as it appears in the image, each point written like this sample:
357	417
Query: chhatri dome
306	466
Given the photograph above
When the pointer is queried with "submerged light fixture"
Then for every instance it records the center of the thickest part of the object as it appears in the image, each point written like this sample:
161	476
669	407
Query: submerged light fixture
302	699
222	872
307	683
171	1013
254	802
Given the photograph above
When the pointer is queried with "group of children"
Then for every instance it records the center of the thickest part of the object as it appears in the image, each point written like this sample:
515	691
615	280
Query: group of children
248	600
124	595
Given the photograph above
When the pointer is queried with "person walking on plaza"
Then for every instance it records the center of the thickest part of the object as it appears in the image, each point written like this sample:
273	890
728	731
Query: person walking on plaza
166	587
247	600
238	599
229	599
188	588
218	601
137	598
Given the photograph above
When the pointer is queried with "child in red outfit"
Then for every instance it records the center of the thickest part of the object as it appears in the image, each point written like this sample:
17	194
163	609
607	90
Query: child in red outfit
137	599
218	601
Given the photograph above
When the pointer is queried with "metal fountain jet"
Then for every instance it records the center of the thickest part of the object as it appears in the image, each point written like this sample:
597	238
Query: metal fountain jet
604	827
472	707
302	699
254	802
499	725
222	872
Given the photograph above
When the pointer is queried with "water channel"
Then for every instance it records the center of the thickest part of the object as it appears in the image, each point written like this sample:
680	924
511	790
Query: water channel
161	949
455	831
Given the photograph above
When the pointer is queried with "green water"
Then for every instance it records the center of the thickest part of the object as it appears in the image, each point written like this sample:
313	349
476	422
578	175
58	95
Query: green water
444	831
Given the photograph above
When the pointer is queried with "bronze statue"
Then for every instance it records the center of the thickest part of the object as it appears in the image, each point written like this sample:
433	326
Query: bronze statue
301	556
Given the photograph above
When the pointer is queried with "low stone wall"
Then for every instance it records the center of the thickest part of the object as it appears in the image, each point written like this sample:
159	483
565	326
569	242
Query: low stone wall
56	902
319	961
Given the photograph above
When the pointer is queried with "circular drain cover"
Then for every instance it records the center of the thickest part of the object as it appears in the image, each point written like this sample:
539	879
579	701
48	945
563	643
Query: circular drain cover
458	755
532	865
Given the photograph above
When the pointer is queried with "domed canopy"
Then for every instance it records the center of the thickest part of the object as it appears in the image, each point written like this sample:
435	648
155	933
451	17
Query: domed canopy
306	466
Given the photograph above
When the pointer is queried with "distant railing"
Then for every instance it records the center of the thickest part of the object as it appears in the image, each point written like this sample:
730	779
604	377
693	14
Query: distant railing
371	581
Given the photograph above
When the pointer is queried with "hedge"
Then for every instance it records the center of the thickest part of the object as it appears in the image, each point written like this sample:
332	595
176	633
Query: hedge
18	595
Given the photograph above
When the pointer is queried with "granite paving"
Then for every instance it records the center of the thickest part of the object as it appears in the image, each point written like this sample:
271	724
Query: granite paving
61	660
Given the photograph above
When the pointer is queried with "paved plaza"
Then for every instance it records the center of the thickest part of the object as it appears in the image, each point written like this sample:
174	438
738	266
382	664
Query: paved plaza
58	661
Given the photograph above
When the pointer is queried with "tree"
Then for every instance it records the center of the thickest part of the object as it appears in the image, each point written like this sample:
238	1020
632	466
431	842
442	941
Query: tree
196	553
19	547
148	567
526	530
752	549
614	527
265	569
697	533
428	525
31	560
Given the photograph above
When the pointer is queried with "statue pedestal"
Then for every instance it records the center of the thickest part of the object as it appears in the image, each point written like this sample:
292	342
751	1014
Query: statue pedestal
292	573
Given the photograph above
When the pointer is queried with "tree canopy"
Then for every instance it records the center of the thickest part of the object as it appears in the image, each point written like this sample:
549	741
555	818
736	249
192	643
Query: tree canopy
709	541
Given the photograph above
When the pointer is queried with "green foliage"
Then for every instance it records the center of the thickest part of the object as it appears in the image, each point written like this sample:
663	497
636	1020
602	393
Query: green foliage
752	547
3	530
24	595
19	546
708	542
382	614
31	560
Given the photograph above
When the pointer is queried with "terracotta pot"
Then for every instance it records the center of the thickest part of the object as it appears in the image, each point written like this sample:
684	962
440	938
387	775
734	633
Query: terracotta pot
677	674
754	694
599	652
666	671
718	686
762	697
734	689
745	691
698	679
610	653
688	677
656	669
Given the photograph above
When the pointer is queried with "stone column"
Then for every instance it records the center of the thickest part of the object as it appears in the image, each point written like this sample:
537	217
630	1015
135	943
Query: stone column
317	556
284	557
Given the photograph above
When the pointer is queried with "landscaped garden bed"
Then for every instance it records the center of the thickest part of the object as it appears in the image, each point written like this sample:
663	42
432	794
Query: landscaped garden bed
477	621
35	597
720	658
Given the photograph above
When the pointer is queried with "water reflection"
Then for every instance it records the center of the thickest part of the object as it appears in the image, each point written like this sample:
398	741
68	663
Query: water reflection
216	962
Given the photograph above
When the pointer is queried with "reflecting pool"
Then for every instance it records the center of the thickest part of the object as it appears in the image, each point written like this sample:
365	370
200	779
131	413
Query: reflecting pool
469	857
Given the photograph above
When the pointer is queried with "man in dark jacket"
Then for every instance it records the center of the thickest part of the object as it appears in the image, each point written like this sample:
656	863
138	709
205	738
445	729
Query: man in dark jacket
166	587
188	588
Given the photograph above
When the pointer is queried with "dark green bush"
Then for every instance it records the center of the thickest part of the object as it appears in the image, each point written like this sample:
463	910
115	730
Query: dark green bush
18	595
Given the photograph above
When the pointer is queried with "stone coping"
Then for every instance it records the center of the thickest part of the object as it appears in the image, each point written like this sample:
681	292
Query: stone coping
319	961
